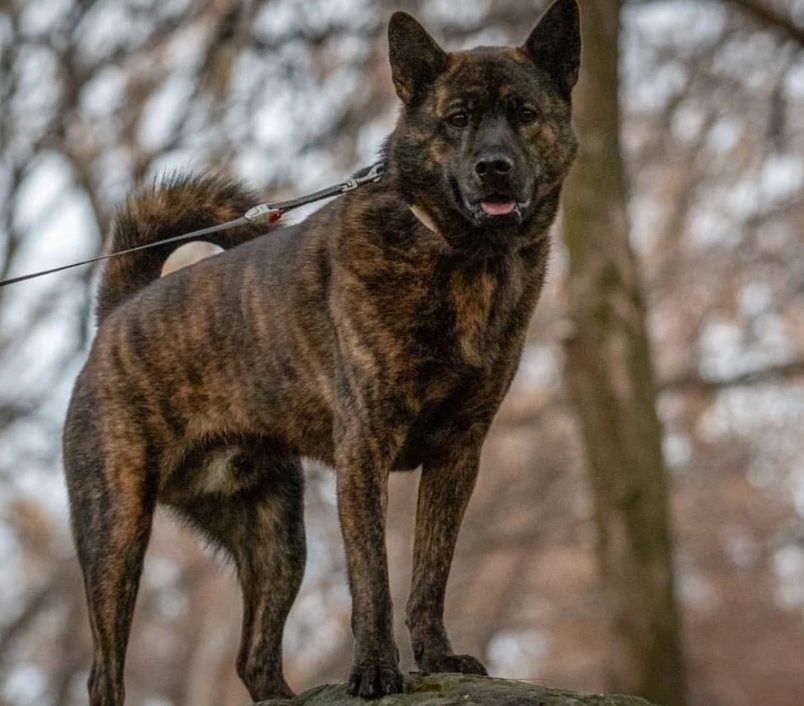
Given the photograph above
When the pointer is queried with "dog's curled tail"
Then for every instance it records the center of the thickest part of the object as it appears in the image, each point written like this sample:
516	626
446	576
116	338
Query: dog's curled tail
177	205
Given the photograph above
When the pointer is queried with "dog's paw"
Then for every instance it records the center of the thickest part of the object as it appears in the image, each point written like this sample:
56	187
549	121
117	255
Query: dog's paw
460	664
372	680
276	692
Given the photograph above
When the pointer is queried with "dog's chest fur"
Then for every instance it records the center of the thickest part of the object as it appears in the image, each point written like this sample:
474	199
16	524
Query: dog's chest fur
482	302
431	307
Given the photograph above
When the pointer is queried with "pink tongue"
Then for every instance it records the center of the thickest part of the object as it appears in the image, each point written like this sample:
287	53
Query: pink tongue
495	208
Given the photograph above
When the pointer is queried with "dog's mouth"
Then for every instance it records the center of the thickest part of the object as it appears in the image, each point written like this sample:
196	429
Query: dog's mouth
498	206
497	210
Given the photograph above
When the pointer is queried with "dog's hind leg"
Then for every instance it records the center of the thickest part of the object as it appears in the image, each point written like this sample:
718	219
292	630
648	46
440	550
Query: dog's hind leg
262	528
112	508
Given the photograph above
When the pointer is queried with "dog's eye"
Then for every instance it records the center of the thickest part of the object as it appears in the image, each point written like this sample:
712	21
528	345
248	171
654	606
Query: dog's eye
526	116
458	120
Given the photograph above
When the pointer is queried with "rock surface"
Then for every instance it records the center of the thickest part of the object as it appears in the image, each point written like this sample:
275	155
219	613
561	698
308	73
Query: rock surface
458	689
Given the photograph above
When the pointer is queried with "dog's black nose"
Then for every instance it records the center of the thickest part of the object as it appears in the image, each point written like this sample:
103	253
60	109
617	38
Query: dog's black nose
493	164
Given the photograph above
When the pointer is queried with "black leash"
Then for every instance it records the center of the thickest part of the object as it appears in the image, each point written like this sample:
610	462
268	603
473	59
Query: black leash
264	211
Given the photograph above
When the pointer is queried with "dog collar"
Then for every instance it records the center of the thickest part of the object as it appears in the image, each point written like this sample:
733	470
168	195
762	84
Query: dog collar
423	217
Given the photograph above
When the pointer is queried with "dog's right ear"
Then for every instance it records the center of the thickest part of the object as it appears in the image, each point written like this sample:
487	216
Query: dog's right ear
555	43
416	58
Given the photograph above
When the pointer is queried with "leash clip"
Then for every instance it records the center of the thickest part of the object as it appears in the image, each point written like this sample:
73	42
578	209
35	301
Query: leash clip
373	174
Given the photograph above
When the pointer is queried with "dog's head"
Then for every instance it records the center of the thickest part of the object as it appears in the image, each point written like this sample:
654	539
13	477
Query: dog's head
485	133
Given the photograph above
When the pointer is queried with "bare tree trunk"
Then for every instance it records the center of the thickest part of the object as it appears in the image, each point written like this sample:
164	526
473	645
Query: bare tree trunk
612	388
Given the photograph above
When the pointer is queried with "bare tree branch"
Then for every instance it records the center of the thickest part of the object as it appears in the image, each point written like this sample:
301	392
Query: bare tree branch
771	19
771	374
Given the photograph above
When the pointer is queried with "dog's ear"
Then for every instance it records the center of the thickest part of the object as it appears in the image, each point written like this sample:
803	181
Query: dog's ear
555	43
416	59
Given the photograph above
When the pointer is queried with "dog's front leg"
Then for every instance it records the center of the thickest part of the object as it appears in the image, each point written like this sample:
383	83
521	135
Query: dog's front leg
363	460
444	491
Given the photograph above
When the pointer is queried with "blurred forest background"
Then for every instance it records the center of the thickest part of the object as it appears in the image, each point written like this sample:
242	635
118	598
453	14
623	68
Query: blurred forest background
293	94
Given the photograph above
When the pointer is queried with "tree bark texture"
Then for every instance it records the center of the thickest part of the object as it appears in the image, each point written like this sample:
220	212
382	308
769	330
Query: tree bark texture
611	384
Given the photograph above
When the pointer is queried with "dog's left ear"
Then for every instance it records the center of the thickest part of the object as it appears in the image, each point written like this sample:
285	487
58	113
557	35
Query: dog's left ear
555	43
416	59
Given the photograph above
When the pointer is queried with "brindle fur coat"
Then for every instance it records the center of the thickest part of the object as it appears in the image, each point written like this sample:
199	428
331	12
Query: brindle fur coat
367	337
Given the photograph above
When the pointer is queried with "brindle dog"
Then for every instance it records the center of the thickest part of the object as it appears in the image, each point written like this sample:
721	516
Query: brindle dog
380	334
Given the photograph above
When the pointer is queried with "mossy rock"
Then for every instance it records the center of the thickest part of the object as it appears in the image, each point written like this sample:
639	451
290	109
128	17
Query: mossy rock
459	689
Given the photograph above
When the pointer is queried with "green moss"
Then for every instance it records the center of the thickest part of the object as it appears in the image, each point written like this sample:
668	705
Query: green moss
459	689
